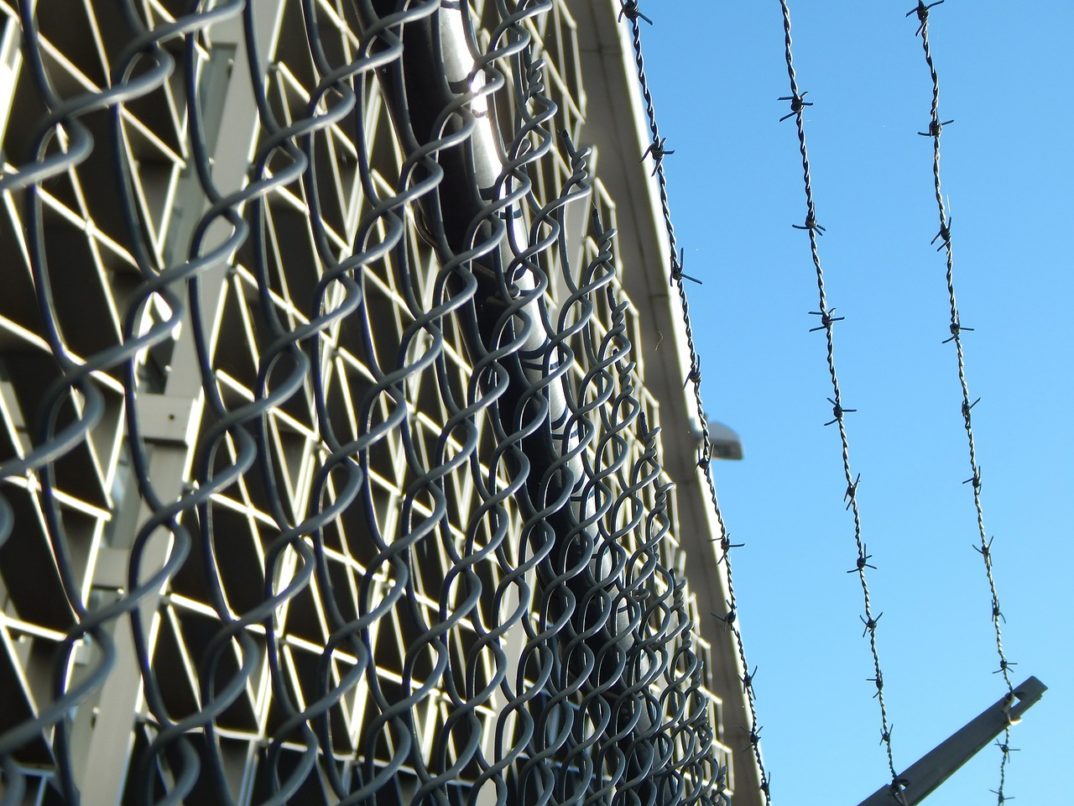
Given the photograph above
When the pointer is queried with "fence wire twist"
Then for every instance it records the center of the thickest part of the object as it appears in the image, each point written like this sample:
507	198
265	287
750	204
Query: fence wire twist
984	547
418	546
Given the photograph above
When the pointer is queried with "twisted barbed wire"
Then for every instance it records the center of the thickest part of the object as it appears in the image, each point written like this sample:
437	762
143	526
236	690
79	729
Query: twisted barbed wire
814	230
657	151
984	546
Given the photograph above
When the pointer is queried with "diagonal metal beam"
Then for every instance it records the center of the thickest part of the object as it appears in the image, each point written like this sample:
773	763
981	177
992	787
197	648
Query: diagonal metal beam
922	777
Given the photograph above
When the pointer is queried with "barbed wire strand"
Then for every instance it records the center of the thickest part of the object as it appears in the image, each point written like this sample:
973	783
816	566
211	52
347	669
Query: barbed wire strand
984	547
657	150
813	229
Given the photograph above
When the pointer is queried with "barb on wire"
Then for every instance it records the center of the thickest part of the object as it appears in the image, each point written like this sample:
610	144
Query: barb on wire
677	266
798	104
863	561
826	319
632	12
956	328
838	409
922	12
935	126
657	149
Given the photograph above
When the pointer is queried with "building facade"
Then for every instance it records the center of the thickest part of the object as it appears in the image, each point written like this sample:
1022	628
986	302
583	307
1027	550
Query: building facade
344	445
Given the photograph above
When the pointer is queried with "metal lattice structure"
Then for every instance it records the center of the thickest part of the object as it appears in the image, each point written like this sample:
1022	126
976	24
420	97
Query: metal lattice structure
338	463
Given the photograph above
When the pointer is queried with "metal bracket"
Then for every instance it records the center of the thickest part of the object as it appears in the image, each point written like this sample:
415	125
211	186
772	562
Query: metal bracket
925	775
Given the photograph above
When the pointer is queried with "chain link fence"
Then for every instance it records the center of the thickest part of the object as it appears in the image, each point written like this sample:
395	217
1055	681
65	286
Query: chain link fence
329	468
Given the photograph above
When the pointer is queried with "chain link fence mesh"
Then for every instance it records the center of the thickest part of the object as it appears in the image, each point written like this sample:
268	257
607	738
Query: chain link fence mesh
329	470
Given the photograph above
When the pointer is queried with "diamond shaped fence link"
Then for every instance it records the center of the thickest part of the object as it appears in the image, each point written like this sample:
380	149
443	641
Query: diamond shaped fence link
329	473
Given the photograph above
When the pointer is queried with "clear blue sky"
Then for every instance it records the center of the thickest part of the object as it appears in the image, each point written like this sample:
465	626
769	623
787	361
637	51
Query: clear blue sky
735	181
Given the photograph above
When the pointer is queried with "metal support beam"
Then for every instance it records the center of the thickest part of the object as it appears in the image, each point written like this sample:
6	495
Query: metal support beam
923	776
168	416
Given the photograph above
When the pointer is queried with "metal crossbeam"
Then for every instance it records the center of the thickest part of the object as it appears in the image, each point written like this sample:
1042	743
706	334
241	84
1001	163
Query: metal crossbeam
927	773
